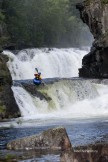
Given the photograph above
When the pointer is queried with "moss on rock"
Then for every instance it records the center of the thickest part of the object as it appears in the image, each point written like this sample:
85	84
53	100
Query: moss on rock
8	106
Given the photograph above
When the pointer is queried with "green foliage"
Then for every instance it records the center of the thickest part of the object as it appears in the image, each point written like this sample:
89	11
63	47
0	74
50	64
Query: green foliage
2	109
3	33
10	156
2	17
44	22
105	1
3	40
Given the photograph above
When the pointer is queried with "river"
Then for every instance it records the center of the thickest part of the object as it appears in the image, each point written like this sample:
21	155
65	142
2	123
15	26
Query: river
77	104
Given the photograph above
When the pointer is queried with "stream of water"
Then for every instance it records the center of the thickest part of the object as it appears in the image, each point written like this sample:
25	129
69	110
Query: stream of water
78	105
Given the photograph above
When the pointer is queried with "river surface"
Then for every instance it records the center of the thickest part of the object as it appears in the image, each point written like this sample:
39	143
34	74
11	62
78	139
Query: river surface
80	132
76	104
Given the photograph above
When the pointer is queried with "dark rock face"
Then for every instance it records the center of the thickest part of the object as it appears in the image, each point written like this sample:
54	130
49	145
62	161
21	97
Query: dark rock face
34	90
93	153
8	106
94	14
53	139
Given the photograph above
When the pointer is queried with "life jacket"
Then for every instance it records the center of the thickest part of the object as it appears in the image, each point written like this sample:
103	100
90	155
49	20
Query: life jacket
38	76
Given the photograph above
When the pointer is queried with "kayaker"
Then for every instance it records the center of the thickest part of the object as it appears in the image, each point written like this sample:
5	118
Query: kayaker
38	76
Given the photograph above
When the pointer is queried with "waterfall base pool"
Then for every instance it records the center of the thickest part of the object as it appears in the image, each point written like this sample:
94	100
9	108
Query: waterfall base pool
80	132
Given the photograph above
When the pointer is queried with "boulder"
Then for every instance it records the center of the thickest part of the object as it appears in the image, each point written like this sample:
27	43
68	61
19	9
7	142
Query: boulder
92	153
53	139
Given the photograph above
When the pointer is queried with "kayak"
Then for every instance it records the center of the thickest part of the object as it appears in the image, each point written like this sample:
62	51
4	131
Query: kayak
36	81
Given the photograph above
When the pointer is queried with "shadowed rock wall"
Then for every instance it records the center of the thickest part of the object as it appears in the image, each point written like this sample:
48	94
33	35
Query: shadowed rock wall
8	106
95	14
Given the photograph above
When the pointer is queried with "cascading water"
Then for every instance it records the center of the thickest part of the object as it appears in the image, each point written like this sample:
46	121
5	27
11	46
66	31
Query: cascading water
59	97
75	103
66	98
52	63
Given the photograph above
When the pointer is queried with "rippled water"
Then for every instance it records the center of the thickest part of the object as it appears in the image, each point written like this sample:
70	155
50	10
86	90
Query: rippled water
80	132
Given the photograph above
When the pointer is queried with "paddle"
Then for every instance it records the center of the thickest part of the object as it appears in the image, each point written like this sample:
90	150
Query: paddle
36	70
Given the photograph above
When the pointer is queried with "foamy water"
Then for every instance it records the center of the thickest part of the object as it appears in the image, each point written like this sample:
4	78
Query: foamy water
69	99
53	63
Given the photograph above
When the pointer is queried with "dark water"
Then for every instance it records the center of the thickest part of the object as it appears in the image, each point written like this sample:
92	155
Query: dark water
80	132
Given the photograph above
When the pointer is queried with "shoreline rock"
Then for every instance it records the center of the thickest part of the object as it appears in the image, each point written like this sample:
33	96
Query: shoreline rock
8	106
56	139
53	139
90	153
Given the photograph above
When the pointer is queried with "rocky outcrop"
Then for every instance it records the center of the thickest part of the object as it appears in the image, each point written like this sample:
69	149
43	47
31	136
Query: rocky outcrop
8	106
92	153
53	139
95	14
35	91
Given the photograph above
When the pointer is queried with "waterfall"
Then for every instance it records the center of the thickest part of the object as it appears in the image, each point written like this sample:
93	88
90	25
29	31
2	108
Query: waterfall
60	98
50	62
66	98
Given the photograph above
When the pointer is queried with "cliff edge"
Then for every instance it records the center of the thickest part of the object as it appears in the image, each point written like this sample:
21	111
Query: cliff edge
95	14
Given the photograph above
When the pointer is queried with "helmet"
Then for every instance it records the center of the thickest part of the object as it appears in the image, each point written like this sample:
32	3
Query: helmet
35	74
39	73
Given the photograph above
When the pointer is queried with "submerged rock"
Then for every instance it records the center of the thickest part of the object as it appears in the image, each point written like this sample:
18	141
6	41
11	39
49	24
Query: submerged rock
53	139
95	14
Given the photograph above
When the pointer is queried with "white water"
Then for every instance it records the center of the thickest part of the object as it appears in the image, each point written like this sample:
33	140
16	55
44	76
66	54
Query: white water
70	99
64	96
53	63
65	103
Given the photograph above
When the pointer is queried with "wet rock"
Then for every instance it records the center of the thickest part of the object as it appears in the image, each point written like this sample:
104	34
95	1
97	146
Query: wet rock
57	140
92	153
34	90
67	156
53	139
8	106
94	14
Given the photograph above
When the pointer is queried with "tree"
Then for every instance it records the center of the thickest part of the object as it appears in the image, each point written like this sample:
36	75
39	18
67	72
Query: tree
42	23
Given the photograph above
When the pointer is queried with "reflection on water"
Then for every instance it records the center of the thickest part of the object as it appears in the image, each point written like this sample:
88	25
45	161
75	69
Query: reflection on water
31	155
44	158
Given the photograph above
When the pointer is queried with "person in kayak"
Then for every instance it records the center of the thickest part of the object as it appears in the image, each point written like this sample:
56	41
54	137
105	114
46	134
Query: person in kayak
38	79
38	76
